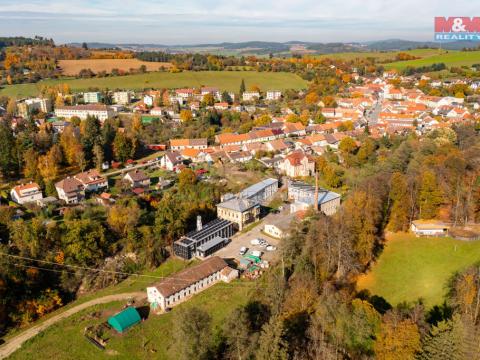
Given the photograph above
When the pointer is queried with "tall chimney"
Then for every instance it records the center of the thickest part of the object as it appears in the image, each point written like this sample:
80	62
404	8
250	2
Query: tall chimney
199	223
315	205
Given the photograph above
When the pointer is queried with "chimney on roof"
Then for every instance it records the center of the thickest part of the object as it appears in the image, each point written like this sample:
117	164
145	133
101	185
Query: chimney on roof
199	223
315	204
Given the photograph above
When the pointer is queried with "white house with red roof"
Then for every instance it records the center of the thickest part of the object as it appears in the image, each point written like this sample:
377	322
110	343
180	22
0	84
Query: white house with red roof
25	193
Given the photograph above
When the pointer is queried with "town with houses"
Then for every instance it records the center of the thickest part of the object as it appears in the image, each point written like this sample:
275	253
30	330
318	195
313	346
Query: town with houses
270	180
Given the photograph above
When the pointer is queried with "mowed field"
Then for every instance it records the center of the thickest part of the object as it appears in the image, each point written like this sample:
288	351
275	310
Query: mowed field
225	80
73	67
411	268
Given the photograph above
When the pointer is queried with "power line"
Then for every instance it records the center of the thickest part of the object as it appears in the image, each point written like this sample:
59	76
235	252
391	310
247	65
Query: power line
173	278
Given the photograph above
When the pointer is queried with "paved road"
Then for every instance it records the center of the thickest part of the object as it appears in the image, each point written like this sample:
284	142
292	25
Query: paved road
125	170
16	342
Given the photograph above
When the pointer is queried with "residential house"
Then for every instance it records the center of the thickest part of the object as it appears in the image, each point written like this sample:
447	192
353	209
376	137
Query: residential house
70	190
240	156
171	160
298	164
137	179
26	193
278	145
91	180
182	144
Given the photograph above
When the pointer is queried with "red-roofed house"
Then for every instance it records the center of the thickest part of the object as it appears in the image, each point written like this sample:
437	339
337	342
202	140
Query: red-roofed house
298	164
26	193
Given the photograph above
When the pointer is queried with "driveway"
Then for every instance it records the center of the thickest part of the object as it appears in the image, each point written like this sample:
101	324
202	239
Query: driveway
14	343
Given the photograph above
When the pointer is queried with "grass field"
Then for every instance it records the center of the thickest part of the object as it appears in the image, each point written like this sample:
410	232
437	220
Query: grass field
151	339
450	58
225	80
73	67
381	55
411	268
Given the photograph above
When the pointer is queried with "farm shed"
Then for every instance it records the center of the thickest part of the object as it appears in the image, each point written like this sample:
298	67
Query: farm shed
124	319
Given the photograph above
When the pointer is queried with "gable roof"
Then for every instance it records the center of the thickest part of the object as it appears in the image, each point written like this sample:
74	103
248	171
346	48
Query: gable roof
189	276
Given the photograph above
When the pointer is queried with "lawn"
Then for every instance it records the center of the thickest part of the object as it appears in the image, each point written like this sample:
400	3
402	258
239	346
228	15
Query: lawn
380	55
225	80
151	339
450	58
411	268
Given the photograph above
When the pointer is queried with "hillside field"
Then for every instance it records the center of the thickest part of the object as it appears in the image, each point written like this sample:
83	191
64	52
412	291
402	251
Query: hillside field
411	268
450	58
225	80
73	67
381	55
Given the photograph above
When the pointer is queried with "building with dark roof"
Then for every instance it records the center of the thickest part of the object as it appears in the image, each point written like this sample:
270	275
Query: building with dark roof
205	240
177	288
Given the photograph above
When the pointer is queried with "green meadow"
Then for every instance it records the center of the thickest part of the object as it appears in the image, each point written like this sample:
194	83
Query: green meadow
225	80
412	268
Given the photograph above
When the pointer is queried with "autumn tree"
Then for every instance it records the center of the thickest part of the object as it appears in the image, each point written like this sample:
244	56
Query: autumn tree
400	212
186	115
30	168
398	339
123	216
208	99
430	196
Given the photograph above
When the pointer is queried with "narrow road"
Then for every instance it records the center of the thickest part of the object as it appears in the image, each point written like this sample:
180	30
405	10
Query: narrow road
16	342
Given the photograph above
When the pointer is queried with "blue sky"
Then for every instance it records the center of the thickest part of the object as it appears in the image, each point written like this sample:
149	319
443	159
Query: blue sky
193	22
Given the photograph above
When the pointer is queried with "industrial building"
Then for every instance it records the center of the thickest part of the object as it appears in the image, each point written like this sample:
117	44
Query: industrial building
244	208
181	286
303	196
205	240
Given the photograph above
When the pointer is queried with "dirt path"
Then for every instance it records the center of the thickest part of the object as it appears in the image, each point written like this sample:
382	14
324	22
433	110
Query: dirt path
16	342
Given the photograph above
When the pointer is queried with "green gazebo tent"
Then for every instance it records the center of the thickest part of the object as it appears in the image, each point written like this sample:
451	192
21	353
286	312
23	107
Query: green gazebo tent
124	319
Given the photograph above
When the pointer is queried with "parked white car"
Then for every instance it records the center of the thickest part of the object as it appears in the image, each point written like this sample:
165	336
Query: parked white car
243	250
271	248
255	241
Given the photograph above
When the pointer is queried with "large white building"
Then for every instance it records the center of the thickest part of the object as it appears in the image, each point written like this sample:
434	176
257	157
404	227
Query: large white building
250	95
274	95
24	107
122	97
181	286
26	193
93	97
102	112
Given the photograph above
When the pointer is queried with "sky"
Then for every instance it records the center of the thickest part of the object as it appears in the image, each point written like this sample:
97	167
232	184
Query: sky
211	21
